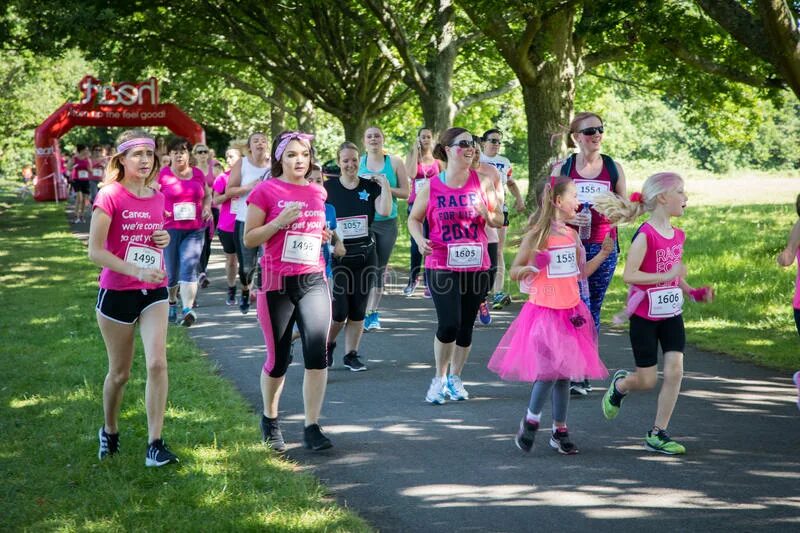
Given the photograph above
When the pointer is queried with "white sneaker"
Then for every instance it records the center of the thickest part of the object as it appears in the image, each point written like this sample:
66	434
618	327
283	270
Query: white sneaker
436	391
455	388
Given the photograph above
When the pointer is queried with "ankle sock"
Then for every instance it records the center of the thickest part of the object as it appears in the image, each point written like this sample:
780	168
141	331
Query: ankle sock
533	418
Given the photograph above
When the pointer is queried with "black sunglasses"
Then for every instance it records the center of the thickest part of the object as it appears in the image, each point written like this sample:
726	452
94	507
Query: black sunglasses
494	141
201	152
464	144
591	131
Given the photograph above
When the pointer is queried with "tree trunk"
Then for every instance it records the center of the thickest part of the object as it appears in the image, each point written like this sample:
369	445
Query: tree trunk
782	34
354	128
306	115
277	114
438	108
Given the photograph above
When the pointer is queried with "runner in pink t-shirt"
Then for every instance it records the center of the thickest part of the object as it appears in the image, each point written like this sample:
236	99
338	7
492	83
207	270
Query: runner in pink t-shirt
226	223
127	240
456	255
81	173
286	216
656	274
206	164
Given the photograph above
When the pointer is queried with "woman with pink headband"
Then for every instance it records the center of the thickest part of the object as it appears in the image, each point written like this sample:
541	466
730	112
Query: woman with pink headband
286	217
127	239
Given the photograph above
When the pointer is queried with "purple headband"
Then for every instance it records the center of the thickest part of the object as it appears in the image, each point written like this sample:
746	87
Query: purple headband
135	142
286	137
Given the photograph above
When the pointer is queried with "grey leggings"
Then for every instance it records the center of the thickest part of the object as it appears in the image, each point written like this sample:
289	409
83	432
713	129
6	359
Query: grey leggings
541	389
385	232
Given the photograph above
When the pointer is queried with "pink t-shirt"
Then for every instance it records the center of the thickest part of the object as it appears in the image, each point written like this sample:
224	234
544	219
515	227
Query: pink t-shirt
98	170
424	174
81	169
293	250
133	221
796	301
662	300
209	173
227	220
183	199
457	231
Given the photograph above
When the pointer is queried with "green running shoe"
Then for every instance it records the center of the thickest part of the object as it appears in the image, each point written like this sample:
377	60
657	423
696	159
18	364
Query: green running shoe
610	411
662	443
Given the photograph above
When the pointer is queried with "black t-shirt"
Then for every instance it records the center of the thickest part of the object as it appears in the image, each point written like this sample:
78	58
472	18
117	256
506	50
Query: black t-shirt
355	209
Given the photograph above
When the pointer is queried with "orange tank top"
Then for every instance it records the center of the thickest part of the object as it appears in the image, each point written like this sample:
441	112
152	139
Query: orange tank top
556	285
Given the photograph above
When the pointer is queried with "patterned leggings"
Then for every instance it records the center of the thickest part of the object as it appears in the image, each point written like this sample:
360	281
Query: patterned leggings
599	281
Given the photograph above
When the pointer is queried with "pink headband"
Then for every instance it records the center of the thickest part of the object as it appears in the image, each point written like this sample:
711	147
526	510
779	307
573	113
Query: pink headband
135	142
286	137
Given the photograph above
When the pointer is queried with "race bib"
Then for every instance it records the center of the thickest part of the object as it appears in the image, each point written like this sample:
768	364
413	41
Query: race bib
184	211
563	262
83	174
419	184
464	255
301	248
665	302
587	189
97	172
144	256
353	227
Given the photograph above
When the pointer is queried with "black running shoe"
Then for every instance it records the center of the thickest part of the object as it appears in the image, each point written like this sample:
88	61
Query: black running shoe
329	348
560	442
244	303
109	443
526	435
314	439
231	299
159	455
352	362
271	434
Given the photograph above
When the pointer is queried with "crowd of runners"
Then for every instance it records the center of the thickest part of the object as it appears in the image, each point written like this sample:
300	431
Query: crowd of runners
309	246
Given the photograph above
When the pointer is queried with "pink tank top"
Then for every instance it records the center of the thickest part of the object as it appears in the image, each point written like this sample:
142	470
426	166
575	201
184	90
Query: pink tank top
424	174
293	250
81	170
130	235
183	199
662	300
796	301
556	286
457	231
587	188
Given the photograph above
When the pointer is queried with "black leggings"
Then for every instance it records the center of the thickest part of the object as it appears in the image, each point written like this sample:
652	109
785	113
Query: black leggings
493	251
248	257
457	296
416	257
351	288
205	255
305	300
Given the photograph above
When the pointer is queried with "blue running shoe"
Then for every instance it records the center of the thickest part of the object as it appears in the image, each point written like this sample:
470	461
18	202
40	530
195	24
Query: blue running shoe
484	315
455	388
435	393
173	313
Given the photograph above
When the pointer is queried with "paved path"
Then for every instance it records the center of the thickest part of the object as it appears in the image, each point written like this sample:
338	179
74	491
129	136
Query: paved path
408	466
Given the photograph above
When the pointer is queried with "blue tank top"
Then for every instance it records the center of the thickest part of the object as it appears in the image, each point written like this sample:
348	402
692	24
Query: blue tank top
391	177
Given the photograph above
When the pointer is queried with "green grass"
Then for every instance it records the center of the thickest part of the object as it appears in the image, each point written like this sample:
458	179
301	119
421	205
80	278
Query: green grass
52	363
732	249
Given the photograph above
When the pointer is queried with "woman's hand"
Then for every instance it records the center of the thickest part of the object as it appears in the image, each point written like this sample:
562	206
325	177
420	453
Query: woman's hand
160	238
289	214
425	247
150	275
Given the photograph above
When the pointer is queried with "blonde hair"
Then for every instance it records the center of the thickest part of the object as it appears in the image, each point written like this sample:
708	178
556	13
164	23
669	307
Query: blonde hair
619	209
115	171
541	220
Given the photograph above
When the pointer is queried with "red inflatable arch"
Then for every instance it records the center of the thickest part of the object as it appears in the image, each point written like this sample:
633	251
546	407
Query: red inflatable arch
120	104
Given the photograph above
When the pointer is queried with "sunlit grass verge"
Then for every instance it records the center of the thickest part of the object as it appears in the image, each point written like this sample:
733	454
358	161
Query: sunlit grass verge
52	363
732	248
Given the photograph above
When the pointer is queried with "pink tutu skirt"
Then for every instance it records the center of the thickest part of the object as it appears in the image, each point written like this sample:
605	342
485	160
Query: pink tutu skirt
545	344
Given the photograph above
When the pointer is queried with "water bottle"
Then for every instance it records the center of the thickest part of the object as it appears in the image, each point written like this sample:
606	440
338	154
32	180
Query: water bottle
585	229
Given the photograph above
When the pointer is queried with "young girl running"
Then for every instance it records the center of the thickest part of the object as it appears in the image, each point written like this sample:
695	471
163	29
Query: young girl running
126	239
553	340
657	276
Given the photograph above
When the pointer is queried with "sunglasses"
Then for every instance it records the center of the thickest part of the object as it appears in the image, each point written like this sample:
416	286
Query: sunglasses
591	131
201	152
464	144
494	141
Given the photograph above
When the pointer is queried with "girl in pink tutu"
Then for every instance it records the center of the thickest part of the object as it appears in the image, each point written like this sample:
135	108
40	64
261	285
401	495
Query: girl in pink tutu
553	340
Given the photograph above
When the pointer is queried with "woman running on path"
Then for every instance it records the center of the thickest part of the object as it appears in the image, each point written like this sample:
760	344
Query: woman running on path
206	165
286	214
81	173
126	239
377	162
456	255
246	173
421	166
593	173
657	278
99	161
357	201
227	223
188	207
553	339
